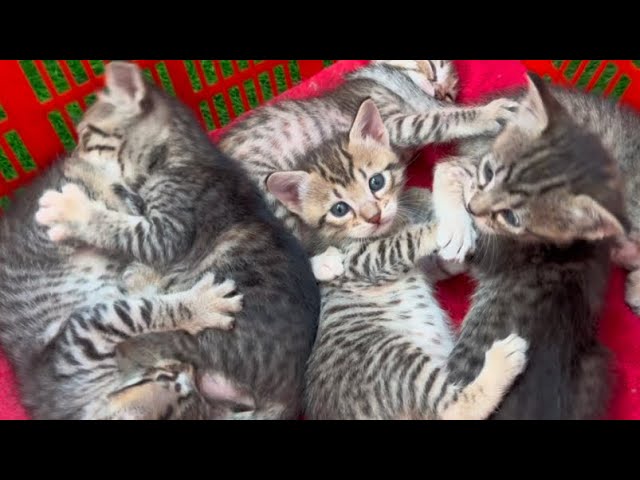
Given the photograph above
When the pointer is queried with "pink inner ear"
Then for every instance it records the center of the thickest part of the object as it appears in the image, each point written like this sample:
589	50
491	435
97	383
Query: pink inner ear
123	77
286	186
369	123
374	129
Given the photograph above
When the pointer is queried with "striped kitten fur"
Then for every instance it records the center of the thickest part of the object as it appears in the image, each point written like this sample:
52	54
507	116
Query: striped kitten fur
92	357
618	127
547	199
64	309
275	138
383	340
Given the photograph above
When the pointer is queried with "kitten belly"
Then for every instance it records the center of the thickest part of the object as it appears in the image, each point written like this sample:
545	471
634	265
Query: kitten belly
411	310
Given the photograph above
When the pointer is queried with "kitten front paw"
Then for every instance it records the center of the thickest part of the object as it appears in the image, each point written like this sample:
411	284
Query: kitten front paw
495	115
456	236
212	305
328	265
506	359
64	212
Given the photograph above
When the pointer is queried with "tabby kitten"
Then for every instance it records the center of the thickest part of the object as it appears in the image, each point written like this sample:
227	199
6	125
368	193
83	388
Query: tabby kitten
383	340
546	198
63	312
618	127
187	230
413	97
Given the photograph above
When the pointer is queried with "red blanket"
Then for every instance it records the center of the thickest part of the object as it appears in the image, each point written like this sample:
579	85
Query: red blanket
620	329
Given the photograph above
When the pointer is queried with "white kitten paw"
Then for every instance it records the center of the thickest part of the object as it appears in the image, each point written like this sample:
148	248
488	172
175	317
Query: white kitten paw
328	265
64	212
212	305
507	358
456	236
496	114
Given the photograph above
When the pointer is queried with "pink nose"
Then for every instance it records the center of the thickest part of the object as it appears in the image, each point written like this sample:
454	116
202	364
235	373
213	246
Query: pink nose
375	219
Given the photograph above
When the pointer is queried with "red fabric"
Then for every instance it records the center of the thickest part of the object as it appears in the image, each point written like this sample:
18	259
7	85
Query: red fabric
620	327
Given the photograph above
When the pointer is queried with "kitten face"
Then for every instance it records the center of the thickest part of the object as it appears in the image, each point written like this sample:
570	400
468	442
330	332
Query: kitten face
130	114
545	179
351	188
363	206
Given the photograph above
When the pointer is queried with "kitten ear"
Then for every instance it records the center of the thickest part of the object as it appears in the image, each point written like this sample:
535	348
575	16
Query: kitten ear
125	83
288	187
369	124
538	108
586	219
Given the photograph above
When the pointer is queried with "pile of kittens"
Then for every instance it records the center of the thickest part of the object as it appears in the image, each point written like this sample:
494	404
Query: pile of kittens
287	270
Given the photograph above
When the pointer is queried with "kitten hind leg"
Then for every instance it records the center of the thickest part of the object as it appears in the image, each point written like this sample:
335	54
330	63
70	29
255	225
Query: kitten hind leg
504	361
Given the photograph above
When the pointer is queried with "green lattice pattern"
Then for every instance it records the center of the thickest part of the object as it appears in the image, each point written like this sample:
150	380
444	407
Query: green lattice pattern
80	76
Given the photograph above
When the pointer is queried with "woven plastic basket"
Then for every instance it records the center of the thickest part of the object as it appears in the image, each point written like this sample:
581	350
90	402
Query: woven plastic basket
41	99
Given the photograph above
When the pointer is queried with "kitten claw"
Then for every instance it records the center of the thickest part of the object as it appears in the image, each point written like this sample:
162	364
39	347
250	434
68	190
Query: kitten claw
498	113
456	237
328	265
212	305
506	359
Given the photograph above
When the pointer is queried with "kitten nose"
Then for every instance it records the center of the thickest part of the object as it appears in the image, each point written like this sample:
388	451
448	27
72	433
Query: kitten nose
375	219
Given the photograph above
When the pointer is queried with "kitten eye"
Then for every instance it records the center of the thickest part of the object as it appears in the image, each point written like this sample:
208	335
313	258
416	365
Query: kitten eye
340	209
487	172
376	182
509	217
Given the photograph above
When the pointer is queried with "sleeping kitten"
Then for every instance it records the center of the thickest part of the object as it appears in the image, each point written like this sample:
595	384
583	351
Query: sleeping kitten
383	341
187	229
63	311
546	198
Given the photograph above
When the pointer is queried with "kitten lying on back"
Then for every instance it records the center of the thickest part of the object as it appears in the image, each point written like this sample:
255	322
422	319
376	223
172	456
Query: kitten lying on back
200	214
383	340
547	200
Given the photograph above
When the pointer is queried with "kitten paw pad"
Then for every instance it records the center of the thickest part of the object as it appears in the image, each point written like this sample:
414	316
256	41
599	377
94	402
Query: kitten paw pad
328	265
